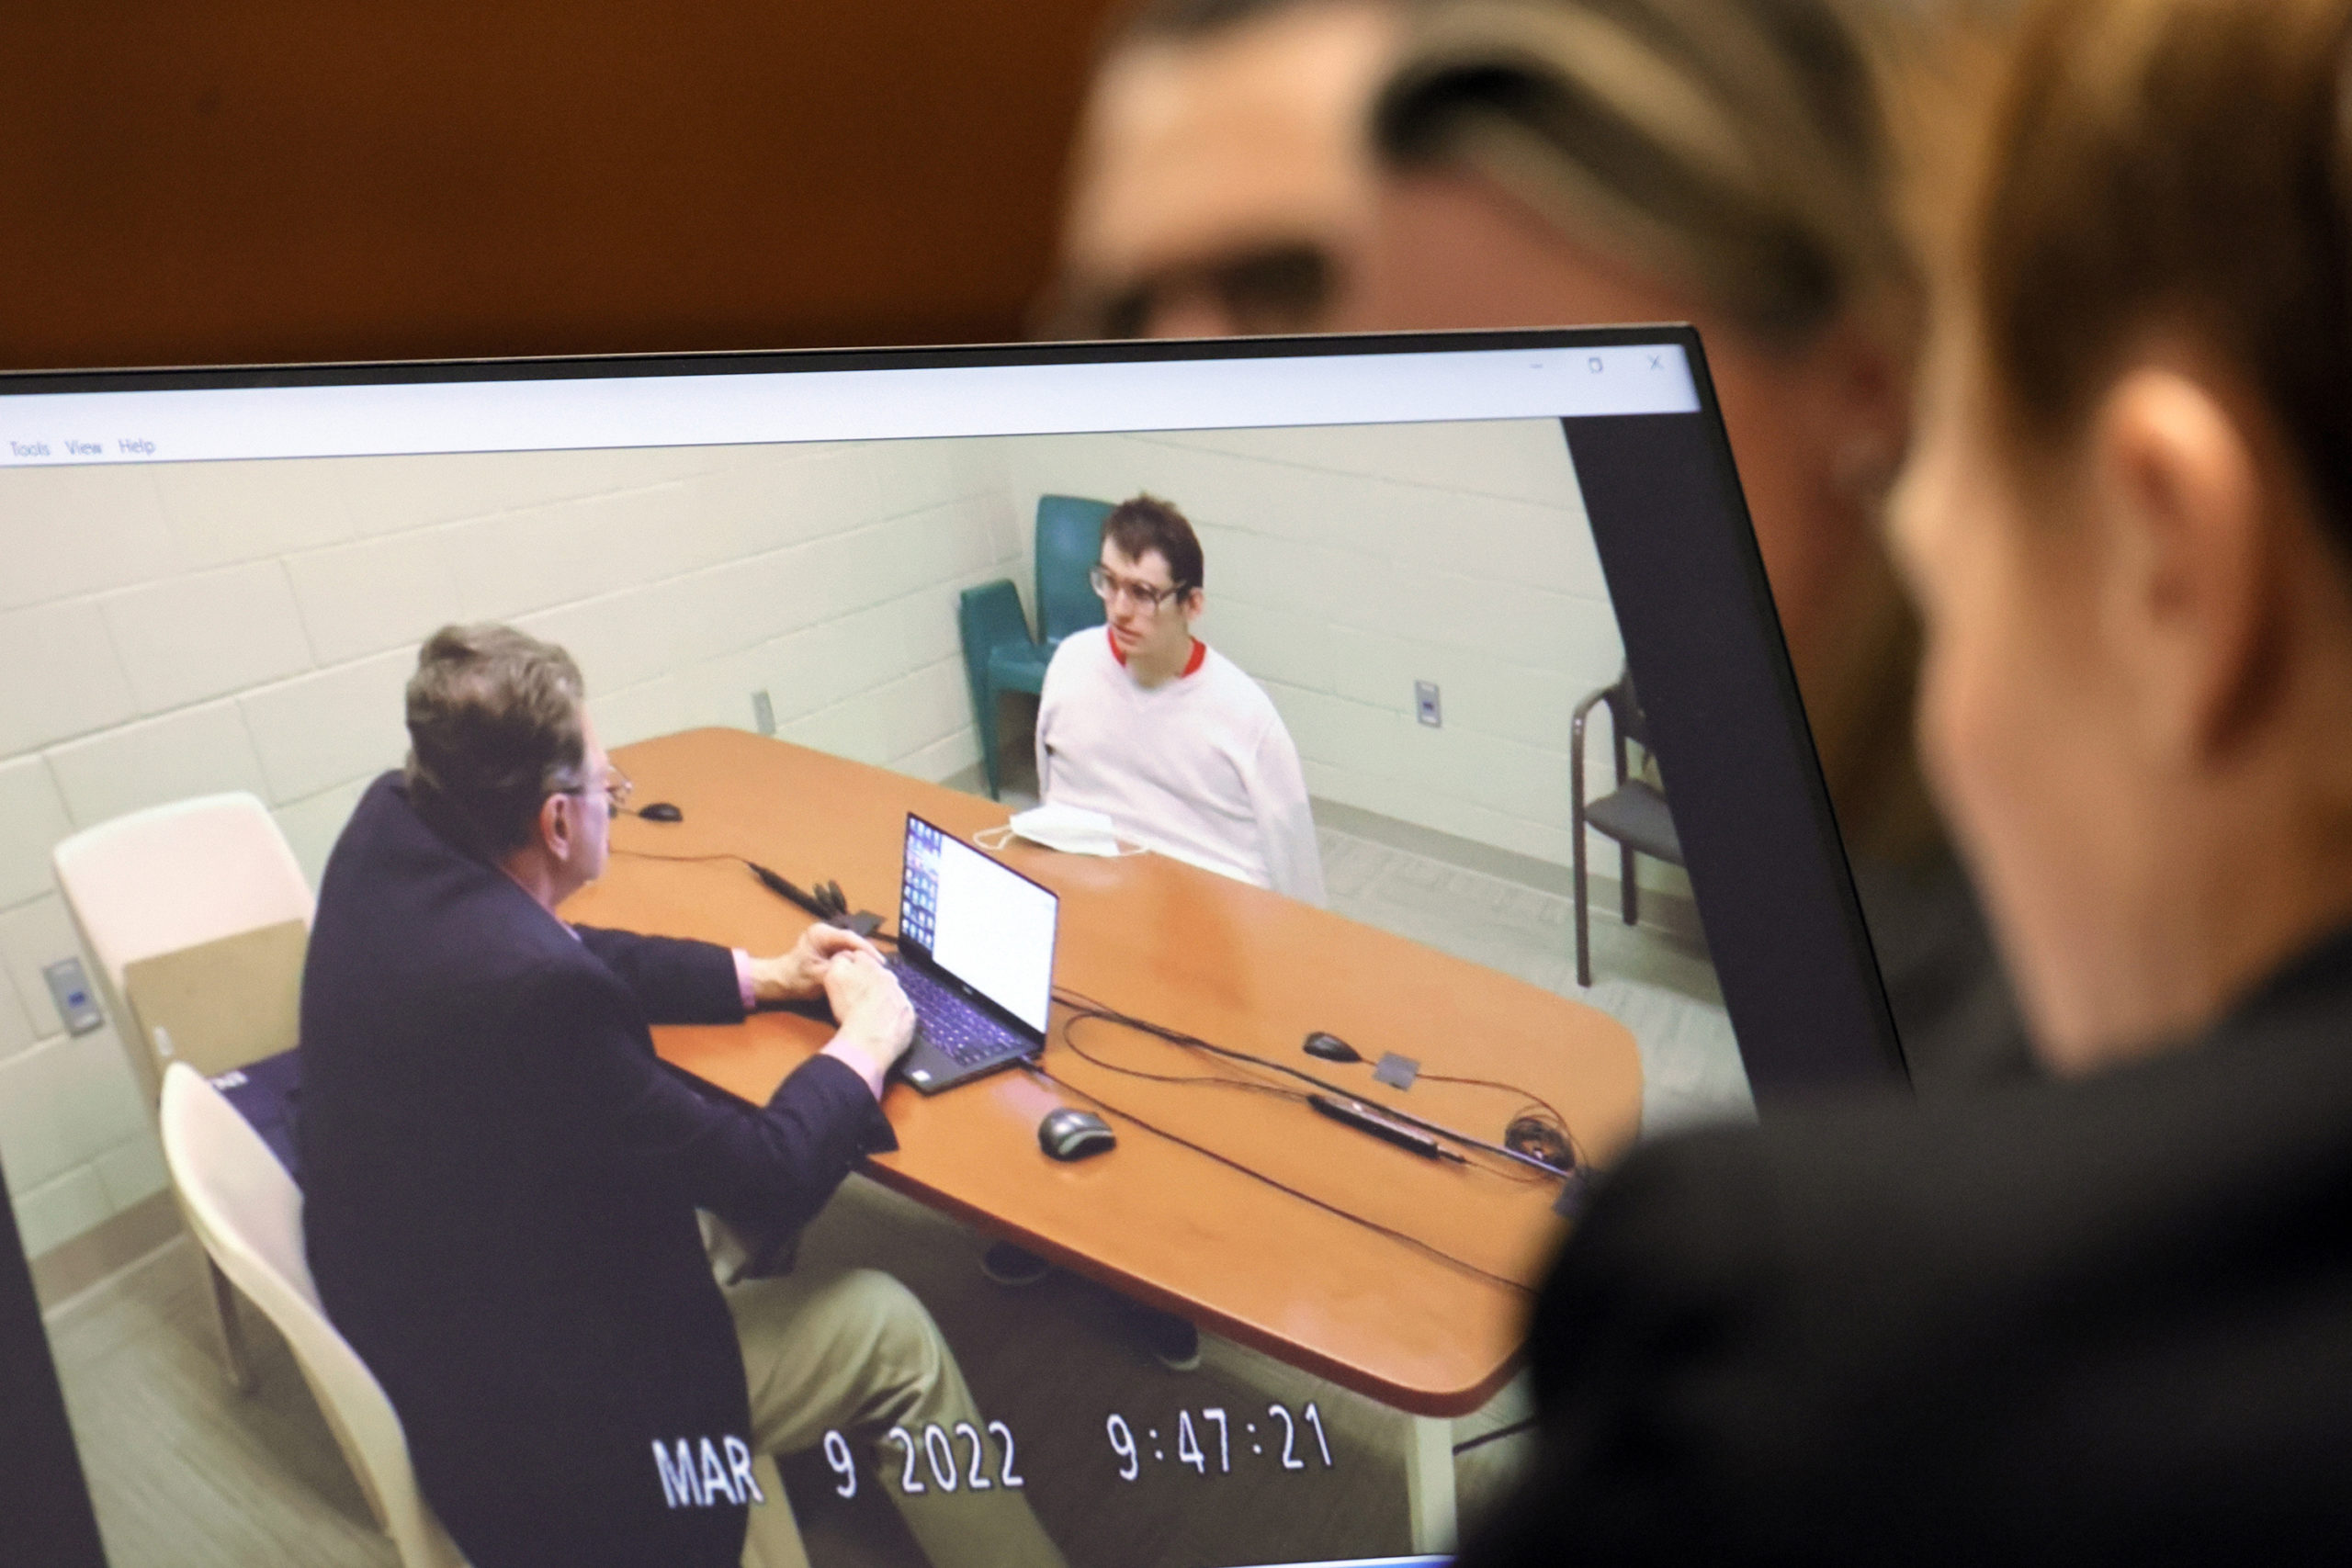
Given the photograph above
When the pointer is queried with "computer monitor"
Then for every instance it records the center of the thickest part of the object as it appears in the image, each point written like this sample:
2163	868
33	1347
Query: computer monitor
1574	875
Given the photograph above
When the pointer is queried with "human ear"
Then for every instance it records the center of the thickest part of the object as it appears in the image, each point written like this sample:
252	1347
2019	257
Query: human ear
2183	550
1865	405
557	829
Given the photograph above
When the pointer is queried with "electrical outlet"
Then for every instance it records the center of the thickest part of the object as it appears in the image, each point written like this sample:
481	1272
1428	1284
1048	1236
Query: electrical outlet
1425	704
762	713
70	989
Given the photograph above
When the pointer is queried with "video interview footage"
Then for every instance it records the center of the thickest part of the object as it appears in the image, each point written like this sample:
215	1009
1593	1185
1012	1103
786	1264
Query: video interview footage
1225	1262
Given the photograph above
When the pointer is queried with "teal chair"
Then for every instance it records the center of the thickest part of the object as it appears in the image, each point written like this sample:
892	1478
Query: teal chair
999	654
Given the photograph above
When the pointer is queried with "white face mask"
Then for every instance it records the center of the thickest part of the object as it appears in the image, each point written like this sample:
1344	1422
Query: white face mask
1069	828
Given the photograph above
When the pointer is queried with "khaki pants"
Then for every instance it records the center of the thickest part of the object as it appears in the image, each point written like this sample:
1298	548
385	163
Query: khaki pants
853	1351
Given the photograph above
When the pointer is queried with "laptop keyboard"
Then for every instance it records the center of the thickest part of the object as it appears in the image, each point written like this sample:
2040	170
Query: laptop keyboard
951	1026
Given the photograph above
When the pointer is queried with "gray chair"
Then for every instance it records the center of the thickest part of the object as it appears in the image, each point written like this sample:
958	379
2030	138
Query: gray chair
1634	813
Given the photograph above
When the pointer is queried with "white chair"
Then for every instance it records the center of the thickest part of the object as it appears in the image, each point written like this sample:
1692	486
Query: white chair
169	878
247	1214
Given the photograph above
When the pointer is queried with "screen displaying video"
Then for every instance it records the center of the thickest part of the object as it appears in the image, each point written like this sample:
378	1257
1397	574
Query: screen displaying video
1371	942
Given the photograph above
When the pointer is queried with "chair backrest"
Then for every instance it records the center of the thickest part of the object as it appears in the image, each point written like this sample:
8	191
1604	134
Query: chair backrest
1070	541
172	877
1625	716
247	1214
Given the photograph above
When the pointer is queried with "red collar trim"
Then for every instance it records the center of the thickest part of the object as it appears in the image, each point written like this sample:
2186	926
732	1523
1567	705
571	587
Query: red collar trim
1191	666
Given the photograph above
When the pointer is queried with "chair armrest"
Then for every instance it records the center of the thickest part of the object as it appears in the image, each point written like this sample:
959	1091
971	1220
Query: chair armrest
990	615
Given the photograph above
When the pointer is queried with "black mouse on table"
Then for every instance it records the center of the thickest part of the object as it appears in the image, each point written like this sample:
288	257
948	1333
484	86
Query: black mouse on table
1331	1048
1067	1133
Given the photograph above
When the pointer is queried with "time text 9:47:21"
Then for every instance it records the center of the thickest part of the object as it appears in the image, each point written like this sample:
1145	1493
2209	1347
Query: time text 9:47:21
1215	1440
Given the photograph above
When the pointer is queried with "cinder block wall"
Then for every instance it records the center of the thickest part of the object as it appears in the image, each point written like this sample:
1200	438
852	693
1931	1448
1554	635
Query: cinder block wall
172	631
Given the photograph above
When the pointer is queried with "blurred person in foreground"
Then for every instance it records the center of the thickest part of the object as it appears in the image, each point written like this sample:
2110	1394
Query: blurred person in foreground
2109	1318
1731	164
1219	181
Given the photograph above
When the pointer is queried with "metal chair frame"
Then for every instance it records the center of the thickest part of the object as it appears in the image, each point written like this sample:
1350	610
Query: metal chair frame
1627	725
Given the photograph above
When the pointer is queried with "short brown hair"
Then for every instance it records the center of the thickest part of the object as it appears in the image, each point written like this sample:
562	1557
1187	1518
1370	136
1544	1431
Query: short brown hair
1148	522
2171	167
495	729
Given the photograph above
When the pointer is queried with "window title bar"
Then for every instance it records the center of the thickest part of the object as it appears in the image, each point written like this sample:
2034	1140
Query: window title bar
214	423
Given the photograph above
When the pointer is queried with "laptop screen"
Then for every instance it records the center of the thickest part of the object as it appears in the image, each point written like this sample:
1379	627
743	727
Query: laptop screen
991	928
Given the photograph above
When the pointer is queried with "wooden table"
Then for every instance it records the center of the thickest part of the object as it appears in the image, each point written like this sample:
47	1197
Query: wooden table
1236	964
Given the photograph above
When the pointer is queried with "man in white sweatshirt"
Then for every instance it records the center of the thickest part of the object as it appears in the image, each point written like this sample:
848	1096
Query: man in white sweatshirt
1147	724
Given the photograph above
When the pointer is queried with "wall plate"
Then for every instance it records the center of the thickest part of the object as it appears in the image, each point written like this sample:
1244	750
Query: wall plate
69	987
1425	704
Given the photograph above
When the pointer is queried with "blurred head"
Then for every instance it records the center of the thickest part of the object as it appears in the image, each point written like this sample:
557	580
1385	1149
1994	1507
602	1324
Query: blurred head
2128	517
1725	163
1149	575
1220	184
502	759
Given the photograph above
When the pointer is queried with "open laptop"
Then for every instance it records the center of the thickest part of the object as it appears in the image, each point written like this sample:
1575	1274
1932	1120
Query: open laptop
976	956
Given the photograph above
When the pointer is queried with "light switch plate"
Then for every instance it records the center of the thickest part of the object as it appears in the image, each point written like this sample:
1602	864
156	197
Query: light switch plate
762	713
1425	704
70	988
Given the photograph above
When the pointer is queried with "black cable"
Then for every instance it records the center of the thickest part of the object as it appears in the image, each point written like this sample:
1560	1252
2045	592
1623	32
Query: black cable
1534	1101
878	934
1280	1186
1497	1434
1210	1080
1085	1004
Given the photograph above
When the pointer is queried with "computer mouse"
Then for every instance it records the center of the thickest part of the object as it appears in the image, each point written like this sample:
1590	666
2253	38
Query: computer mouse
1069	1133
660	811
1331	1048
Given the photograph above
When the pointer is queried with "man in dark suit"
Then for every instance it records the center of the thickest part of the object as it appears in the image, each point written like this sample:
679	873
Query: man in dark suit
502	1181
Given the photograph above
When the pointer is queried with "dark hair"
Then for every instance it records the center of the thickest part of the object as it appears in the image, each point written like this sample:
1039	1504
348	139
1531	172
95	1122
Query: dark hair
2172	166
1148	522
1737	148
495	729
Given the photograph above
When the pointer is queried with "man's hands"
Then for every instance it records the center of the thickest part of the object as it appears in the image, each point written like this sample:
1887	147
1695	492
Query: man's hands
800	975
877	1022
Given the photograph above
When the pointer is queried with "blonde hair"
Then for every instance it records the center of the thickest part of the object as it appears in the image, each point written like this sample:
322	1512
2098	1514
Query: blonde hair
1741	151
1736	148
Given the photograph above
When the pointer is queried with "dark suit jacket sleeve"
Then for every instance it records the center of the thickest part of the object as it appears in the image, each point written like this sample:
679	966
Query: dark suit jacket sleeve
674	981
768	1168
